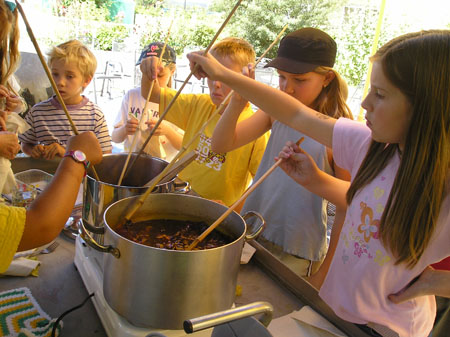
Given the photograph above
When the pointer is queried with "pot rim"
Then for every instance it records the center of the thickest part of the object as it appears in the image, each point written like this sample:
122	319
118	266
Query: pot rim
113	232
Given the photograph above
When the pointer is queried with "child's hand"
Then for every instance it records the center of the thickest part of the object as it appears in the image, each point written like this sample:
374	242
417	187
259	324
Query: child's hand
249	70
208	66
88	143
151	67
131	126
9	145
4	92
3	116
162	128
37	151
430	282
53	150
13	103
298	164
236	99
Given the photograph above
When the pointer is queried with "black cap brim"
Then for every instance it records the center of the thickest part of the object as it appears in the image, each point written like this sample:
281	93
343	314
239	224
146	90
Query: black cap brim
291	66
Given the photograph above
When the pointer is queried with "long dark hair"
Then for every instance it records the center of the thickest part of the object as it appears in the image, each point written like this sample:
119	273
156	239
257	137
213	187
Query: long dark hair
419	65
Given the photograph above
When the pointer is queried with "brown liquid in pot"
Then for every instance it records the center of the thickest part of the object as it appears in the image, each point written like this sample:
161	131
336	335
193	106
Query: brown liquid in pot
172	234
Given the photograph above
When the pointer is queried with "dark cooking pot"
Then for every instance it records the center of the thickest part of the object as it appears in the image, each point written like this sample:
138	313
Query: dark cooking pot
98	195
161	288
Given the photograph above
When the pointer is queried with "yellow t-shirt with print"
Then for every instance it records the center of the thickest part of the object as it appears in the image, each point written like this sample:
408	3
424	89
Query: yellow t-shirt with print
12	225
217	176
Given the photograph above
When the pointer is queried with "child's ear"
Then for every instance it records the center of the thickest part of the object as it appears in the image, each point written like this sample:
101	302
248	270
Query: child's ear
86	82
329	77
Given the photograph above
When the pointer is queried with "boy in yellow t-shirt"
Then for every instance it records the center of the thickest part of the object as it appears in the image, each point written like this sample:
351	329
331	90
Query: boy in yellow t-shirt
217	176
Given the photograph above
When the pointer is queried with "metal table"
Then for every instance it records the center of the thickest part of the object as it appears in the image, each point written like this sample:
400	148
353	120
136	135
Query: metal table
59	287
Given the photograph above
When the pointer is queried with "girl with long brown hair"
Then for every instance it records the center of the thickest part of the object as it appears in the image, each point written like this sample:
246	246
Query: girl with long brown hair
398	204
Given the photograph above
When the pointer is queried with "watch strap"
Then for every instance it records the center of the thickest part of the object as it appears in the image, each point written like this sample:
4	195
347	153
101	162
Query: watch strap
86	162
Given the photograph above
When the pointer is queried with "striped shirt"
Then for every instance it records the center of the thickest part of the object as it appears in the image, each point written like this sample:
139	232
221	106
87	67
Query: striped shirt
49	123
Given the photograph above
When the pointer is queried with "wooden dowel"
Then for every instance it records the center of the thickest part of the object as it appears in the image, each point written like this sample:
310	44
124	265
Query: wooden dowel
133	143
242	198
49	74
138	203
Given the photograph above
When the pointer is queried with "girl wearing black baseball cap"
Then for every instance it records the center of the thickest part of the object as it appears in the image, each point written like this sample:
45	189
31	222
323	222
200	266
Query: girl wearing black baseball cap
296	235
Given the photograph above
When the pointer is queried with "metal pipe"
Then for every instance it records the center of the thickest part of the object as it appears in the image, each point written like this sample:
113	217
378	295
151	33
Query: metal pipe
208	321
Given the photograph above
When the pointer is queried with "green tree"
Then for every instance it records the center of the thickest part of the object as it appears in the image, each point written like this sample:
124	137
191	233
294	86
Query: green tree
188	30
260	21
142	6
354	37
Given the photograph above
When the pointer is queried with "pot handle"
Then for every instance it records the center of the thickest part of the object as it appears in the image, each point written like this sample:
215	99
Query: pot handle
258	228
182	187
208	321
92	228
94	244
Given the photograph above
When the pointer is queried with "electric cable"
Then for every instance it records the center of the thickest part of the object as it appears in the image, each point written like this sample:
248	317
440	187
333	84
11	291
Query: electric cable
55	326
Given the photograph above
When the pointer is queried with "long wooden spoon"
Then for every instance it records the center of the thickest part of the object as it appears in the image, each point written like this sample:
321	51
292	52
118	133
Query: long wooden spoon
232	207
175	169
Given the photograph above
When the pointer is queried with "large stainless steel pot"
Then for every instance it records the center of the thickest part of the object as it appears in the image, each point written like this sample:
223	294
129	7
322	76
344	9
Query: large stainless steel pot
161	288
98	195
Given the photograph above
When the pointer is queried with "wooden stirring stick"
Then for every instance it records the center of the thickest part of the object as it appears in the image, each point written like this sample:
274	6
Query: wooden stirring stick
161	117
133	143
49	75
176	168
242	198
140	201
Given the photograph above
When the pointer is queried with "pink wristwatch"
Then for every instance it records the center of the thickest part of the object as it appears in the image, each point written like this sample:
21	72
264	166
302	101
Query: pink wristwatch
79	157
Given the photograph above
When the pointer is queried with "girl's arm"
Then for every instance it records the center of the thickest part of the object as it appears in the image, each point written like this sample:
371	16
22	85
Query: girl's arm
301	167
48	213
317	279
430	282
229	135
278	104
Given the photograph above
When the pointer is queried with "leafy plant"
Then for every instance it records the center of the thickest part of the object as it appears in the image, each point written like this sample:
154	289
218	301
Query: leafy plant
260	21
107	34
82	9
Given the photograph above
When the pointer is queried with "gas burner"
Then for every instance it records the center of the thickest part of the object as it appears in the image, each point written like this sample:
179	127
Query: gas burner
89	263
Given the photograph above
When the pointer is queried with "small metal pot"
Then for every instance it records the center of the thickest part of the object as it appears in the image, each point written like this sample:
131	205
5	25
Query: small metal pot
161	288
99	194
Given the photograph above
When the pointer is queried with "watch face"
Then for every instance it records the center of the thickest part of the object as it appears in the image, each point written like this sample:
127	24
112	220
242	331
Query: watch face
79	155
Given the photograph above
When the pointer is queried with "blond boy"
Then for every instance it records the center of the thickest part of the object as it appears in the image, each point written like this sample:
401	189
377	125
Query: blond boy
217	176
72	66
